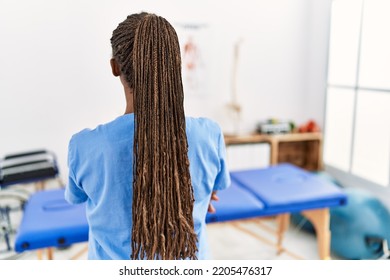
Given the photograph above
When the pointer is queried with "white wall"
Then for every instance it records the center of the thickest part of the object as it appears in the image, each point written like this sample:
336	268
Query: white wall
55	77
316	79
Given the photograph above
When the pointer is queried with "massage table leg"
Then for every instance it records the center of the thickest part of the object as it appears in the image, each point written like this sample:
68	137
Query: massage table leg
39	186
39	254
320	218
49	252
283	222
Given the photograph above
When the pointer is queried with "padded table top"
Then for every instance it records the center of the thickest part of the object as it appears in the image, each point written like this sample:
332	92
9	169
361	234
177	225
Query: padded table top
286	188
235	203
50	221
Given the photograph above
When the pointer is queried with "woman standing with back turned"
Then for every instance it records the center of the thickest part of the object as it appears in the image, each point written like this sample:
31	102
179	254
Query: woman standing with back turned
148	176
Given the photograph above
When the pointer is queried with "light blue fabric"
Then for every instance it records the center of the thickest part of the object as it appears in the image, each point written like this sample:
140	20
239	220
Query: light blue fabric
101	173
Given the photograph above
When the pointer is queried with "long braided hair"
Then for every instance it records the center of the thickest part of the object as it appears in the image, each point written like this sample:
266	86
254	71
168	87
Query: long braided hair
147	50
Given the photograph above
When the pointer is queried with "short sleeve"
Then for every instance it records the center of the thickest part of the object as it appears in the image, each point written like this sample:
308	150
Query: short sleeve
223	178
74	193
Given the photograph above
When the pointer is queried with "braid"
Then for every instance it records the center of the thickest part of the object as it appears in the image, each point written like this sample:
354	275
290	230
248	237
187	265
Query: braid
163	198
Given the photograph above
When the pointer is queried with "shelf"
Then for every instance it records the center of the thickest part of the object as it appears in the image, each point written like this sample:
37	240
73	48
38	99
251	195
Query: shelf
301	149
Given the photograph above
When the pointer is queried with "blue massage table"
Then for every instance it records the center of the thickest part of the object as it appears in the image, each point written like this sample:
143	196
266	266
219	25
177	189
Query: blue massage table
49	221
278	191
275	191
36	167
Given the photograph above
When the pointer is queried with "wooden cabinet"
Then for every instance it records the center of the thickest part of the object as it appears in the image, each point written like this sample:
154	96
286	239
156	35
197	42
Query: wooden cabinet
301	149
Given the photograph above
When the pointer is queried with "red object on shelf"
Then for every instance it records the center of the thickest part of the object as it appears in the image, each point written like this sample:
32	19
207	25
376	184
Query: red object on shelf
310	126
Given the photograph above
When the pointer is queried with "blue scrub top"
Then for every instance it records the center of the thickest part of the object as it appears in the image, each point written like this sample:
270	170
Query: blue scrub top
101	174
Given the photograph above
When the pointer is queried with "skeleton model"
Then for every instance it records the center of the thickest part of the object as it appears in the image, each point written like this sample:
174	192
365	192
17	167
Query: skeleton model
234	108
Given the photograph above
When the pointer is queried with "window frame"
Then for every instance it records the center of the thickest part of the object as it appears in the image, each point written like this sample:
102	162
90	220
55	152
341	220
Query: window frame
347	177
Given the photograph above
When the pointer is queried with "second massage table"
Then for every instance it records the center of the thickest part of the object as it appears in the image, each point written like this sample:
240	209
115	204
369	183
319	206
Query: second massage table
279	191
